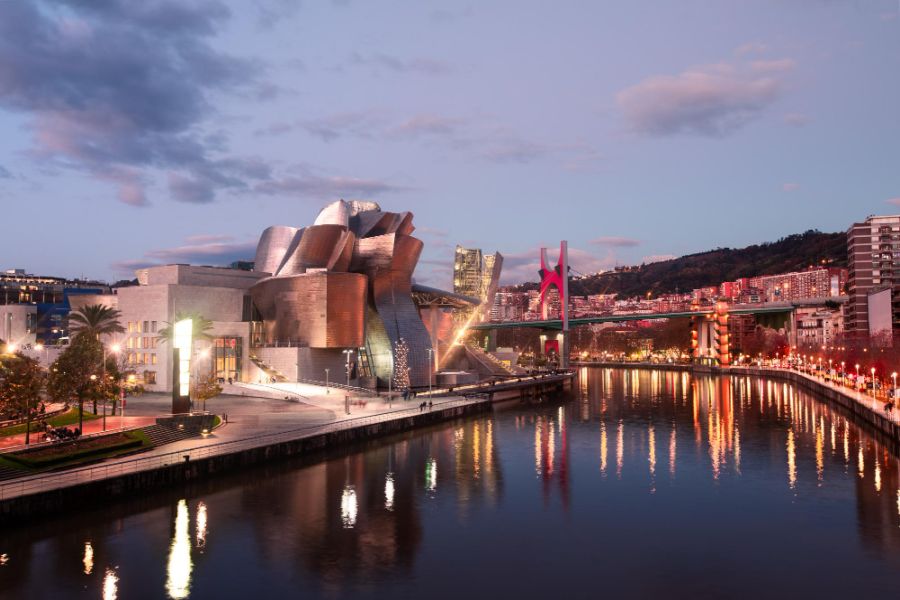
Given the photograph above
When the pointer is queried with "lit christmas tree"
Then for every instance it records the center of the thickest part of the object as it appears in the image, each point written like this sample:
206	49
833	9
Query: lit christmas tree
401	365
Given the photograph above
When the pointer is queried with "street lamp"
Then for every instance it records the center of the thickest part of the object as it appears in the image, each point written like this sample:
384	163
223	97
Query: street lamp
115	350
894	387
348	353
856	381
873	381
327	391
430	352
843	374
204	354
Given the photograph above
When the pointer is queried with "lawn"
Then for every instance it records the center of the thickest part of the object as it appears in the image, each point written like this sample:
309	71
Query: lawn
70	417
73	453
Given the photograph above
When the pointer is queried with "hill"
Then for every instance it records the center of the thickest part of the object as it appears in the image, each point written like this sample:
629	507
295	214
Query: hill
792	253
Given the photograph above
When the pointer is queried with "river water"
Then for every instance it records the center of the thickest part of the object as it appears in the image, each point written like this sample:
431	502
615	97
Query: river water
641	484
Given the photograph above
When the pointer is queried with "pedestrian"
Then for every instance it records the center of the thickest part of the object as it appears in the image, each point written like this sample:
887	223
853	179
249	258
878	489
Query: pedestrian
430	404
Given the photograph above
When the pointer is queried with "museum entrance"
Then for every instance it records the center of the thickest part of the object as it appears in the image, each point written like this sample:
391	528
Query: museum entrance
227	358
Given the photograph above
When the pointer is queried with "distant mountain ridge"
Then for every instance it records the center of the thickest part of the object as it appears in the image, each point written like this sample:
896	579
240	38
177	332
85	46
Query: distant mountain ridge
795	252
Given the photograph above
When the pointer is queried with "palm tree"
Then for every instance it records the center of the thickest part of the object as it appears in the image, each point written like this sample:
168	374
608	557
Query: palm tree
95	320
200	327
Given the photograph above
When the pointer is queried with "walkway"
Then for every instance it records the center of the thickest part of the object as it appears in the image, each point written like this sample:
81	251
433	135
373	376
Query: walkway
241	433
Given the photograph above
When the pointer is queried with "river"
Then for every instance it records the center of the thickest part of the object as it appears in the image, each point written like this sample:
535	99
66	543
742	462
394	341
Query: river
643	483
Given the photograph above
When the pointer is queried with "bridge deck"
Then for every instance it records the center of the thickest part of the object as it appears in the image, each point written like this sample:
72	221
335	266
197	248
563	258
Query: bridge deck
557	323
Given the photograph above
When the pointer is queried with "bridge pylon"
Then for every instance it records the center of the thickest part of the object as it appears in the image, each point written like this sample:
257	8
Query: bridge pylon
557	277
710	338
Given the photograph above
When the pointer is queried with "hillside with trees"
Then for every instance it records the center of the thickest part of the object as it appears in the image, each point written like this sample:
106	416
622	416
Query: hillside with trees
792	253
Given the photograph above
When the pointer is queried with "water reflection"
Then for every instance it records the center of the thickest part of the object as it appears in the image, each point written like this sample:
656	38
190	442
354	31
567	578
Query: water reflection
701	463
110	585
178	570
88	559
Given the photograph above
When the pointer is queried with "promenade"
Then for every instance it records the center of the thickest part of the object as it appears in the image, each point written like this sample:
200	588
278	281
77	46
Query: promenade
243	432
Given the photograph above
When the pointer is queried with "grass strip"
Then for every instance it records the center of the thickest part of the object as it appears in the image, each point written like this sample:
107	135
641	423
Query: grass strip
80	451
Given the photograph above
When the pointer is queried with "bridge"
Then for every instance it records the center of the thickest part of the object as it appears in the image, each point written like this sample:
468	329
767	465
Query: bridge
782	308
710	336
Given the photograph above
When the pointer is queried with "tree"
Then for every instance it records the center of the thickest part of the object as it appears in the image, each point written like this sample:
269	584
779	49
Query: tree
70	375
207	387
21	382
95	320
200	327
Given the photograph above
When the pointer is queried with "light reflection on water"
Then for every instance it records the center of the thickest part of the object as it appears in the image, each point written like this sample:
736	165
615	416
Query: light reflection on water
701	464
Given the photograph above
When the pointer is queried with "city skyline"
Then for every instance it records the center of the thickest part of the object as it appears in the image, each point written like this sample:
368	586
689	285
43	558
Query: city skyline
634	132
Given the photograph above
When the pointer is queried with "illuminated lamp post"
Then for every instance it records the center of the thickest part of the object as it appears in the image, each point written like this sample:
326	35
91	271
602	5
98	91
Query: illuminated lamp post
843	374
115	348
894	386
873	381
856	381
430	352
122	409
204	354
348	353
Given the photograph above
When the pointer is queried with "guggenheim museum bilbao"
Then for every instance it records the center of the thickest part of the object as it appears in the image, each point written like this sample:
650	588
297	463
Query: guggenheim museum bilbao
337	295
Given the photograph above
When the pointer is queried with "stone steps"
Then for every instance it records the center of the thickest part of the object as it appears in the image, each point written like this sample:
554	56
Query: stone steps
10	473
159	435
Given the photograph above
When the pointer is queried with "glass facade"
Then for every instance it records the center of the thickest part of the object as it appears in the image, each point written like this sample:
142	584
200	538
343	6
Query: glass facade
227	357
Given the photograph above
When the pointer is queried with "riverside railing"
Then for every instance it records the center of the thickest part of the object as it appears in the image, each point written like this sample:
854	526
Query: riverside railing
494	385
41	483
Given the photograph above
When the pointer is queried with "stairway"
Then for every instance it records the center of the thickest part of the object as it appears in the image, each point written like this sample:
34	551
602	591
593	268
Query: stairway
490	362
269	371
11	473
159	435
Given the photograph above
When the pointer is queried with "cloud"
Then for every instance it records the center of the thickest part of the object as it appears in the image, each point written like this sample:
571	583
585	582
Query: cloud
4	174
616	242
796	119
477	138
312	185
362	124
894	201
712	100
425	125
215	250
119	89
524	266
751	48
385	62
790	187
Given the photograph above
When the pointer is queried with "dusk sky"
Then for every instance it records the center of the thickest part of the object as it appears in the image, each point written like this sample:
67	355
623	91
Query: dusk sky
136	133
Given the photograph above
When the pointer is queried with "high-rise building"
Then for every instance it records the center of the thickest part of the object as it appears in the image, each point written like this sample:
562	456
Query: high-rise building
872	246
477	276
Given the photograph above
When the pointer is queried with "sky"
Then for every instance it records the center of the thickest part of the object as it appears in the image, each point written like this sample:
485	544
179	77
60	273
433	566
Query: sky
140	133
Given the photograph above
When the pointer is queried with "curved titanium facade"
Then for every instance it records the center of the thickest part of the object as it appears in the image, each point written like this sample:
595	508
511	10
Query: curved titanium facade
273	244
315	310
345	282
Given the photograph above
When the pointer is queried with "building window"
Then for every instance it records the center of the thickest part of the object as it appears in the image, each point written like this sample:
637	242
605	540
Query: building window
146	326
149	377
129	343
130	326
153	357
153	326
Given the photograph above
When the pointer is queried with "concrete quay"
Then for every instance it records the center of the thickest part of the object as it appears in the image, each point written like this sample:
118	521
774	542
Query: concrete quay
32	496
